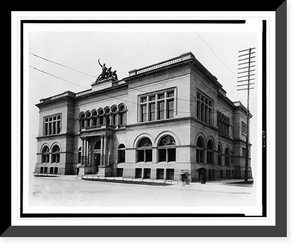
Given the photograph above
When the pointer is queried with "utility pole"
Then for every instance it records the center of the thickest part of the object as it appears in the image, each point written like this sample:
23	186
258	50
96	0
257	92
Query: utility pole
246	74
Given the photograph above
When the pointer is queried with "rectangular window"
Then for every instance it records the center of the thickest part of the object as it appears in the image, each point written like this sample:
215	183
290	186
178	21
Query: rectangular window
143	113
147	173
244	152
170	93
160	174
161	110
161	96
198	109
170	174
148	155
52	125
170	108
244	128
151	111
58	126
204	108
119	172
162	155
157	106
138	173
140	156
171	154
152	98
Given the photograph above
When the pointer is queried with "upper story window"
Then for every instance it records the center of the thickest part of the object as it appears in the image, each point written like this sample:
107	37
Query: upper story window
157	106
114	116
244	128
52	125
200	150
223	124
204	108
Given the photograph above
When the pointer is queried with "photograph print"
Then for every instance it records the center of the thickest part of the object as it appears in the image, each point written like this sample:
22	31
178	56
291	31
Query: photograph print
144	119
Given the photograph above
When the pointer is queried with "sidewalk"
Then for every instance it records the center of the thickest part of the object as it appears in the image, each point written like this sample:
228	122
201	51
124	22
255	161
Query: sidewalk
222	186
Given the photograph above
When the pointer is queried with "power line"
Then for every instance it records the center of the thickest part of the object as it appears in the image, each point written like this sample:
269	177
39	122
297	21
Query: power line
56	76
42	71
48	60
65	66
215	54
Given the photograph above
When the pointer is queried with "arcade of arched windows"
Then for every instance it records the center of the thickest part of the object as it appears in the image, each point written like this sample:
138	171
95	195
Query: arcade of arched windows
205	152
114	116
50	156
223	122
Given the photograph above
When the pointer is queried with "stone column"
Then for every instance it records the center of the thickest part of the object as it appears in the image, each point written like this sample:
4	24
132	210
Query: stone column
82	165
85	151
104	151
82	151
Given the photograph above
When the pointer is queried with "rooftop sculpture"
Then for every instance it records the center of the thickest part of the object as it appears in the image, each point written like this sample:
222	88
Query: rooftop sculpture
106	73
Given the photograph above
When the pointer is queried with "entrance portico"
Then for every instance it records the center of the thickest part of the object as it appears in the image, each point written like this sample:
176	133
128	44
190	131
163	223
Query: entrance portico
95	157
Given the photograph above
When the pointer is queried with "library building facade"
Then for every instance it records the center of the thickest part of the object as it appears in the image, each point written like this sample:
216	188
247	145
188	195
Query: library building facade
160	120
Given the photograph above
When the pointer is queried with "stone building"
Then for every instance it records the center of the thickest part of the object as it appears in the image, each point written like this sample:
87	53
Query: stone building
158	121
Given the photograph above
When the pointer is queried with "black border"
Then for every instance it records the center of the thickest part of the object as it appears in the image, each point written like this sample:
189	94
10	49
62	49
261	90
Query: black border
264	119
139	215
193	231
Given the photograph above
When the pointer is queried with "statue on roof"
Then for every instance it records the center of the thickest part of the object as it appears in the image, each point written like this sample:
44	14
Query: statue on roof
106	73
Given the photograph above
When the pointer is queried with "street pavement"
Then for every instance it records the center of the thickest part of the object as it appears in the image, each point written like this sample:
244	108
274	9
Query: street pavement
71	191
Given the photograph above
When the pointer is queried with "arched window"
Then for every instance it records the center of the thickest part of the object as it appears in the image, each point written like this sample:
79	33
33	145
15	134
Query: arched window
121	153
88	119
210	152
167	149
122	115
81	120
45	154
94	118
107	115
101	116
227	156
219	154
55	154
200	150
114	113
144	150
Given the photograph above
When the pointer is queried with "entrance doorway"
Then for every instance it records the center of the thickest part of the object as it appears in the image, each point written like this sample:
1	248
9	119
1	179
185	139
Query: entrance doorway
97	154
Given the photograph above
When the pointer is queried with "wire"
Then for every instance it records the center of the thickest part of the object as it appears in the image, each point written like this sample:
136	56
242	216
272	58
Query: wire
192	101
42	71
48	60
91	76
216	54
56	76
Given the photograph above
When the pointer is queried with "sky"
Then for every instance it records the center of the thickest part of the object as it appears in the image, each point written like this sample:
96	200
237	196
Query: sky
124	51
